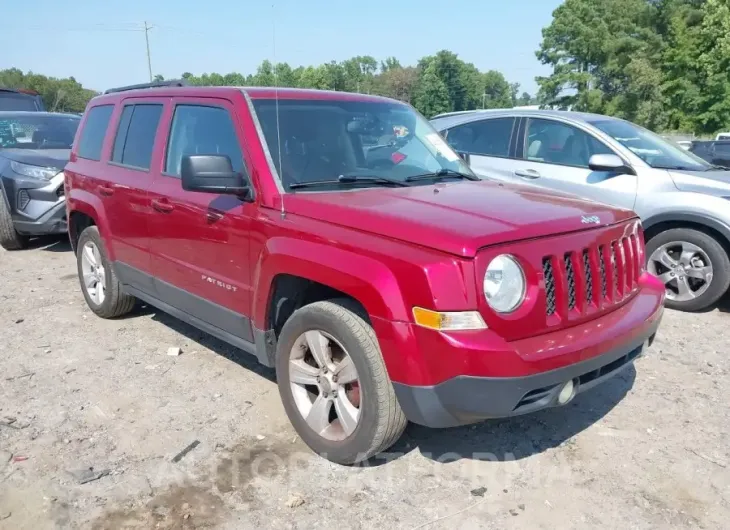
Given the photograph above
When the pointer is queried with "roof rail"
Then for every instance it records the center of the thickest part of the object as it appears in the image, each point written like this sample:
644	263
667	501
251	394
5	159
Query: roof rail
454	113
155	84
19	90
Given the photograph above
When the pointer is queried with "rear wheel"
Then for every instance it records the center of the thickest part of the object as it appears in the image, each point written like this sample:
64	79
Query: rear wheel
694	267
334	384
10	239
99	283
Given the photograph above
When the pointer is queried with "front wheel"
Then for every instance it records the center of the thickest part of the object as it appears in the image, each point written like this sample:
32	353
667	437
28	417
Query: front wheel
10	239
334	384
694	267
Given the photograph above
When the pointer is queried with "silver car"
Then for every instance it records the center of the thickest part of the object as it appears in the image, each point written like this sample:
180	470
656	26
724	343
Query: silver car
683	201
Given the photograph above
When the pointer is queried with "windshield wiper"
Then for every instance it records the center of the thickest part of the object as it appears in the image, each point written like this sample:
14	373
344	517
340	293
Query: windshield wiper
677	168
714	167
349	179
442	173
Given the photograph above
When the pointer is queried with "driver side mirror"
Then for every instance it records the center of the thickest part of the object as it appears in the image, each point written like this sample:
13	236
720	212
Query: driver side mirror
213	174
610	163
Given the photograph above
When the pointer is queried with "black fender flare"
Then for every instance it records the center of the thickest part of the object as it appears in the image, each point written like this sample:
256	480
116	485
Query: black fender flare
679	217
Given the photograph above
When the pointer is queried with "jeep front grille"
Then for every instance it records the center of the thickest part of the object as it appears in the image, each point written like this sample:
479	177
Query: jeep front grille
547	270
594	277
589	276
570	277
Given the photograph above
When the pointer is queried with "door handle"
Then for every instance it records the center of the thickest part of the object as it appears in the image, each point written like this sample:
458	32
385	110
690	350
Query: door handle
527	173
162	206
213	217
106	191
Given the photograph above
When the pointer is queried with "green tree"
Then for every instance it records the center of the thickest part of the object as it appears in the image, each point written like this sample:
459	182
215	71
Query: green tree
391	63
664	64
264	74
398	83
431	96
449	69
525	99
498	93
60	95
599	51
714	60
314	77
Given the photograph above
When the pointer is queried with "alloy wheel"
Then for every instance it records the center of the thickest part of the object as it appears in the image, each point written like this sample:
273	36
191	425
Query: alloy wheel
685	269
94	274
325	385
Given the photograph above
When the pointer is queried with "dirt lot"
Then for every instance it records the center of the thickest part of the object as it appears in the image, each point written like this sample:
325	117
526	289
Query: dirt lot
646	450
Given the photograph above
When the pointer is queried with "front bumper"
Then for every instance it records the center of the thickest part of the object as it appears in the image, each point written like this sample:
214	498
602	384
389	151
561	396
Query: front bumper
466	399
445	380
37	207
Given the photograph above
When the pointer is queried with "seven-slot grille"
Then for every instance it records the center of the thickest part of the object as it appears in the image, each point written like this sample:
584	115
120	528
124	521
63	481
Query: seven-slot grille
597	276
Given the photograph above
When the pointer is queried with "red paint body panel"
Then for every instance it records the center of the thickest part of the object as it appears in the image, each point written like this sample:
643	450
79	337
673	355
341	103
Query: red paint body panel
460	219
390	249
422	357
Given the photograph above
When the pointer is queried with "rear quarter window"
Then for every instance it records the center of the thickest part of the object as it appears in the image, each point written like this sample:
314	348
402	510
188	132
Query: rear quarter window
94	131
486	137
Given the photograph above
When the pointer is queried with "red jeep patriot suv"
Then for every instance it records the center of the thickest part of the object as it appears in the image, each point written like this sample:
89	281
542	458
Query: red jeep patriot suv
337	238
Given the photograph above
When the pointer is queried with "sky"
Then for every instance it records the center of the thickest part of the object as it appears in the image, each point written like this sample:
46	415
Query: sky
100	43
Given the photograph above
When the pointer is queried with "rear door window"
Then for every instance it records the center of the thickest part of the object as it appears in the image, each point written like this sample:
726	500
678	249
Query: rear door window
486	137
136	134
94	131
202	130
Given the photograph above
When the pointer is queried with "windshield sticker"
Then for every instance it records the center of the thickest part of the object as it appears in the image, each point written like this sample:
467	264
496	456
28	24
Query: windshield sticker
400	131
444	150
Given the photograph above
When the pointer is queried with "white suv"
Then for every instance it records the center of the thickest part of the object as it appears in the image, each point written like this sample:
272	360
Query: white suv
682	199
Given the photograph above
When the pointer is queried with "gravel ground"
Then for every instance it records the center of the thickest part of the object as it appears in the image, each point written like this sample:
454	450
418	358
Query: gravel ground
94	412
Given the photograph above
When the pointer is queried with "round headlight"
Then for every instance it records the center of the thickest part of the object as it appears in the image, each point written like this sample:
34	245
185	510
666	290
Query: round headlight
504	284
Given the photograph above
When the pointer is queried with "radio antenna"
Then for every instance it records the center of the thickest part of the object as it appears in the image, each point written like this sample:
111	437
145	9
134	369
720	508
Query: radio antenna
276	98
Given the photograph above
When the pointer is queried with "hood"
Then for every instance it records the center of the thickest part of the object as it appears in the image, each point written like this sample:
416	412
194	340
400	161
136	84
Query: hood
57	158
458	218
712	182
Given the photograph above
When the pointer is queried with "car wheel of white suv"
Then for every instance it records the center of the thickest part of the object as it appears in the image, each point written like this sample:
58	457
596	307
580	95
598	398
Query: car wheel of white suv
694	267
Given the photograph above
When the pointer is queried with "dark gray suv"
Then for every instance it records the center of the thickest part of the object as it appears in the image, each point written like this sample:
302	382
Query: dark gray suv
34	149
26	100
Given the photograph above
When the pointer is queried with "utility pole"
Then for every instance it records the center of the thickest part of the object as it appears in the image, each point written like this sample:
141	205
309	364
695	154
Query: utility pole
147	40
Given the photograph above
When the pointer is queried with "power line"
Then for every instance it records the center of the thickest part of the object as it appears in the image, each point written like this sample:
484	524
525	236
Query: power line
74	29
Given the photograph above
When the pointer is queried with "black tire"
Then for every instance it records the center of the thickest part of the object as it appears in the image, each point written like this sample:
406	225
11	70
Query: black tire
718	258
382	421
10	239
116	302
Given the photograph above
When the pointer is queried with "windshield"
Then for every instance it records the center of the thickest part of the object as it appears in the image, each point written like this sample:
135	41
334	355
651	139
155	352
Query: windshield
37	131
651	148
326	139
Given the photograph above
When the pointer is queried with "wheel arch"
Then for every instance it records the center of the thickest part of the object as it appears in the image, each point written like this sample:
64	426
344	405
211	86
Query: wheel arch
84	210
290	273
657	224
361	278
